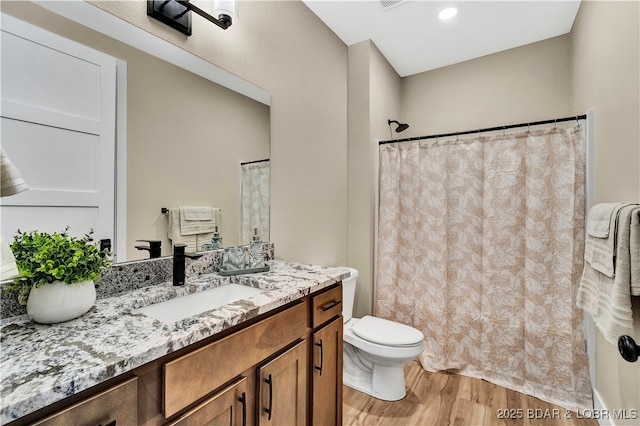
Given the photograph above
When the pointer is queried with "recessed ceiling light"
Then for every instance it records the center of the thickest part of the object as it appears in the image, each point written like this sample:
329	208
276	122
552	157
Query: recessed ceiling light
448	13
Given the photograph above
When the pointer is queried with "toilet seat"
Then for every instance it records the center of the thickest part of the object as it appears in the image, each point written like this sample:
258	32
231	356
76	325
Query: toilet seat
389	353
387	333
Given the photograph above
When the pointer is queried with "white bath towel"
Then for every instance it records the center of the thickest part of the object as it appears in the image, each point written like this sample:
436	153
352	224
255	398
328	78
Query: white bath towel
197	220
600	244
11	180
608	299
179	234
634	252
8	267
599	219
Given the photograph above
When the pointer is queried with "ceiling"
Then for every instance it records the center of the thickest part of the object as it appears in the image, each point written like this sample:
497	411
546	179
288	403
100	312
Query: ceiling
413	39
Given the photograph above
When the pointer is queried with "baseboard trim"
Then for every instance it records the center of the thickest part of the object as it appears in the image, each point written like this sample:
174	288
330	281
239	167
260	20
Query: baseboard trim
599	407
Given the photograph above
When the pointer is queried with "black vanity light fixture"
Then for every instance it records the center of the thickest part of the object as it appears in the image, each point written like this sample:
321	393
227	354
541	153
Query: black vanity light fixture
401	126
177	13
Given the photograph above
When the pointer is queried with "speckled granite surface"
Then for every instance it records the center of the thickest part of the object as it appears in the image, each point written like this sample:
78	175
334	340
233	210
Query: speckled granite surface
42	364
128	276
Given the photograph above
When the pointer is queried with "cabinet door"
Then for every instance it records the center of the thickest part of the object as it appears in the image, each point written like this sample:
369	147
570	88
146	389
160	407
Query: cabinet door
282	388
326	398
228	407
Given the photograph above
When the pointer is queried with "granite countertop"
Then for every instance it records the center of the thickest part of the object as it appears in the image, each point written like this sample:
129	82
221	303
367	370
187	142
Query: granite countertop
42	364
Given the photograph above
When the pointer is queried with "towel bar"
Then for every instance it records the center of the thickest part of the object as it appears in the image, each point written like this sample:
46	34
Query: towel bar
165	210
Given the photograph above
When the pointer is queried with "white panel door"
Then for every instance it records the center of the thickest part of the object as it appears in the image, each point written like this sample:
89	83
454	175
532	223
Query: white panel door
58	128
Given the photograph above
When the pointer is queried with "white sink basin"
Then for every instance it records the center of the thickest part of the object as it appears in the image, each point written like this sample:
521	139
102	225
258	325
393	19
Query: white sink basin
187	306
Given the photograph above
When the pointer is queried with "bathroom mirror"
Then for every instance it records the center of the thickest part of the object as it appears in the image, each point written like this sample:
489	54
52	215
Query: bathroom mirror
185	136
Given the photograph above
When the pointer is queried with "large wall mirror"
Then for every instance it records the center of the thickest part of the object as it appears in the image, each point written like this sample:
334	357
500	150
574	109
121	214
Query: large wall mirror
188	138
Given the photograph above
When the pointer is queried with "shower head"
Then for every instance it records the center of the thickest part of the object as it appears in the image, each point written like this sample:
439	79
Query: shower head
401	126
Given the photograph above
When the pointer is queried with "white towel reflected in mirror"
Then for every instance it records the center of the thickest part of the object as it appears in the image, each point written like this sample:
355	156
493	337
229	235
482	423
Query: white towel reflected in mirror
12	184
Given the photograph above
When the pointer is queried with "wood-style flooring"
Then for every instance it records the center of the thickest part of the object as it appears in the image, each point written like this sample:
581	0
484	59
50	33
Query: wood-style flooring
437	399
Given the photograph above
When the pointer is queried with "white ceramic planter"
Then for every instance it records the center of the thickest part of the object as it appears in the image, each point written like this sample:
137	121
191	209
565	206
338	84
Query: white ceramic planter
58	301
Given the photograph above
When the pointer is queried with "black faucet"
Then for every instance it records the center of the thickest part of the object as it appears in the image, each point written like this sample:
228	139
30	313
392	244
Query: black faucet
153	248
179	257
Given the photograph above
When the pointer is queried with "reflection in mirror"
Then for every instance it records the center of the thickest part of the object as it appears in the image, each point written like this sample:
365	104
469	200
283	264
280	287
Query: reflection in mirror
185	136
254	210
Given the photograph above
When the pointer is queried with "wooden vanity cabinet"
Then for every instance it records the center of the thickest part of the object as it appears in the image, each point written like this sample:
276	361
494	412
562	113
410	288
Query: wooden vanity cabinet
283	368
326	375
196	374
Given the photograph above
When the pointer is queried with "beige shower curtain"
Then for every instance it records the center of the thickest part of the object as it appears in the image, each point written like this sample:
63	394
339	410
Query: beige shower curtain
480	246
254	184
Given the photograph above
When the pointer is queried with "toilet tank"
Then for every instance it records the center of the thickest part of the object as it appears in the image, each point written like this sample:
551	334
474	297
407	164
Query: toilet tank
348	293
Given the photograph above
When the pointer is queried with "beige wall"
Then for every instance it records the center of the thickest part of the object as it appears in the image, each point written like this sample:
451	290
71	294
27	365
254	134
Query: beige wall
528	83
374	97
606	77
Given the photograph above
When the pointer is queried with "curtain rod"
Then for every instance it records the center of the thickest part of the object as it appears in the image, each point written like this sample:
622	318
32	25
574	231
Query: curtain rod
487	129
255	161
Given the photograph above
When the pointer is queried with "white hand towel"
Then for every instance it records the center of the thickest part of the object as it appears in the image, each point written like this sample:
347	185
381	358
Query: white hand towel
599	219
608	299
634	252
194	241
173	231
197	213
600	252
197	220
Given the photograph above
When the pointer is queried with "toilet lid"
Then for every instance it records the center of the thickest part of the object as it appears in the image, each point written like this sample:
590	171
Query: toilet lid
385	332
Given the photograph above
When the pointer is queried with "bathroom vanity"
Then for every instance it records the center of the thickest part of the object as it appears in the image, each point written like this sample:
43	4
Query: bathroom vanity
272	358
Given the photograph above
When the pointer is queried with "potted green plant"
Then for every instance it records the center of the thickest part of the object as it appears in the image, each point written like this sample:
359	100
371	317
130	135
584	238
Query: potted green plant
57	274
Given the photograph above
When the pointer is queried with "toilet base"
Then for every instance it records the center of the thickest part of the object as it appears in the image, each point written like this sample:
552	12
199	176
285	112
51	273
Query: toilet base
380	381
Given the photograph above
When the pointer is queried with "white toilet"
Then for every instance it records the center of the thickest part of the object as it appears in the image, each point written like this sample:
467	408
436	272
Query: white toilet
375	349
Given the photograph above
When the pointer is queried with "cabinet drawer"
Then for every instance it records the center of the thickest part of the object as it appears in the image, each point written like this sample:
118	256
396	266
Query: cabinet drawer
327	305
193	376
116	405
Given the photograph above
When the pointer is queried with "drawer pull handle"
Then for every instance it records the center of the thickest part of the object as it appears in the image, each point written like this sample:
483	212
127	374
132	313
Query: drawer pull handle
111	423
269	381
319	368
243	401
331	305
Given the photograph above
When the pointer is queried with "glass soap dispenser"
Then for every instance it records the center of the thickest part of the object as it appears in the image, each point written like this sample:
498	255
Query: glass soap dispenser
256	251
216	241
